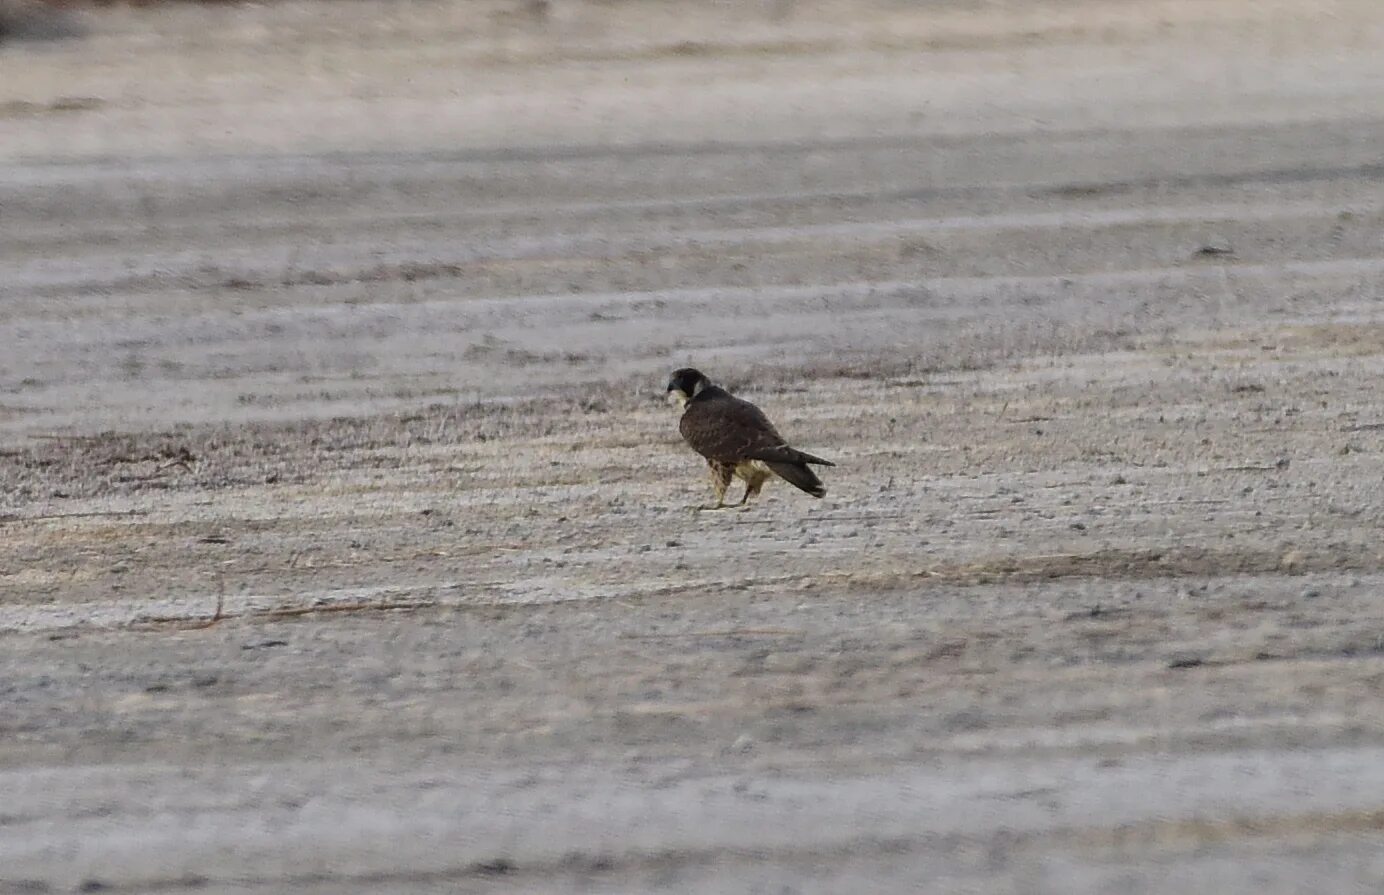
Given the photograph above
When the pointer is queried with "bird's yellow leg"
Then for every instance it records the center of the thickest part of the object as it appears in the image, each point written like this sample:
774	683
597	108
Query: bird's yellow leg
720	481
754	481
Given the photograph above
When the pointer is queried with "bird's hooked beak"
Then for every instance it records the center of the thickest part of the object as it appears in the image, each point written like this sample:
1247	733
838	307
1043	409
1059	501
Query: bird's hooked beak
677	396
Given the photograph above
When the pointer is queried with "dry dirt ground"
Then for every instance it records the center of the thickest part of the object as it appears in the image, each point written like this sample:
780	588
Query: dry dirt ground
354	319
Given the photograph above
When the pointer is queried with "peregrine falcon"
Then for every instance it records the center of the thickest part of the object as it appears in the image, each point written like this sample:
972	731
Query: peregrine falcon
737	440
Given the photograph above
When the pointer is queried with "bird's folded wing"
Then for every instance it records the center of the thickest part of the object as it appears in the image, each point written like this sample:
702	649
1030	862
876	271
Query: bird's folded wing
731	430
774	453
785	454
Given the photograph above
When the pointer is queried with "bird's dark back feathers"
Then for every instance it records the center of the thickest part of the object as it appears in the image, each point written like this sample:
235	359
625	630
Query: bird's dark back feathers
720	426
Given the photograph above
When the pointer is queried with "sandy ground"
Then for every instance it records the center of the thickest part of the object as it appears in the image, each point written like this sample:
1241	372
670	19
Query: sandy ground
357	325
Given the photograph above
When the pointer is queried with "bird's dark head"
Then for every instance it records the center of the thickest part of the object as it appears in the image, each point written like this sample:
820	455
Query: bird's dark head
684	385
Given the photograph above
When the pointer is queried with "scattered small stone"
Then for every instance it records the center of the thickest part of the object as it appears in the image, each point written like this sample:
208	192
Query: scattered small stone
1189	662
1311	593
746	789
1292	561
494	867
263	644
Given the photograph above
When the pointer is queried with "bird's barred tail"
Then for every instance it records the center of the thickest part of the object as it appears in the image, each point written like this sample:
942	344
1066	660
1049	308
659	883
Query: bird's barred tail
798	474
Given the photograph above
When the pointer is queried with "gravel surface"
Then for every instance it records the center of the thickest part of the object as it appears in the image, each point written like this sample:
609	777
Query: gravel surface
346	541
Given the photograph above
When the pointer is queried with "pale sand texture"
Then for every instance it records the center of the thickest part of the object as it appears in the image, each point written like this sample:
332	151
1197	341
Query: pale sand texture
1094	601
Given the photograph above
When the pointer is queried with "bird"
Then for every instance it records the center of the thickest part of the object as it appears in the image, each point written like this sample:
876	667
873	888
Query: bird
737	440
